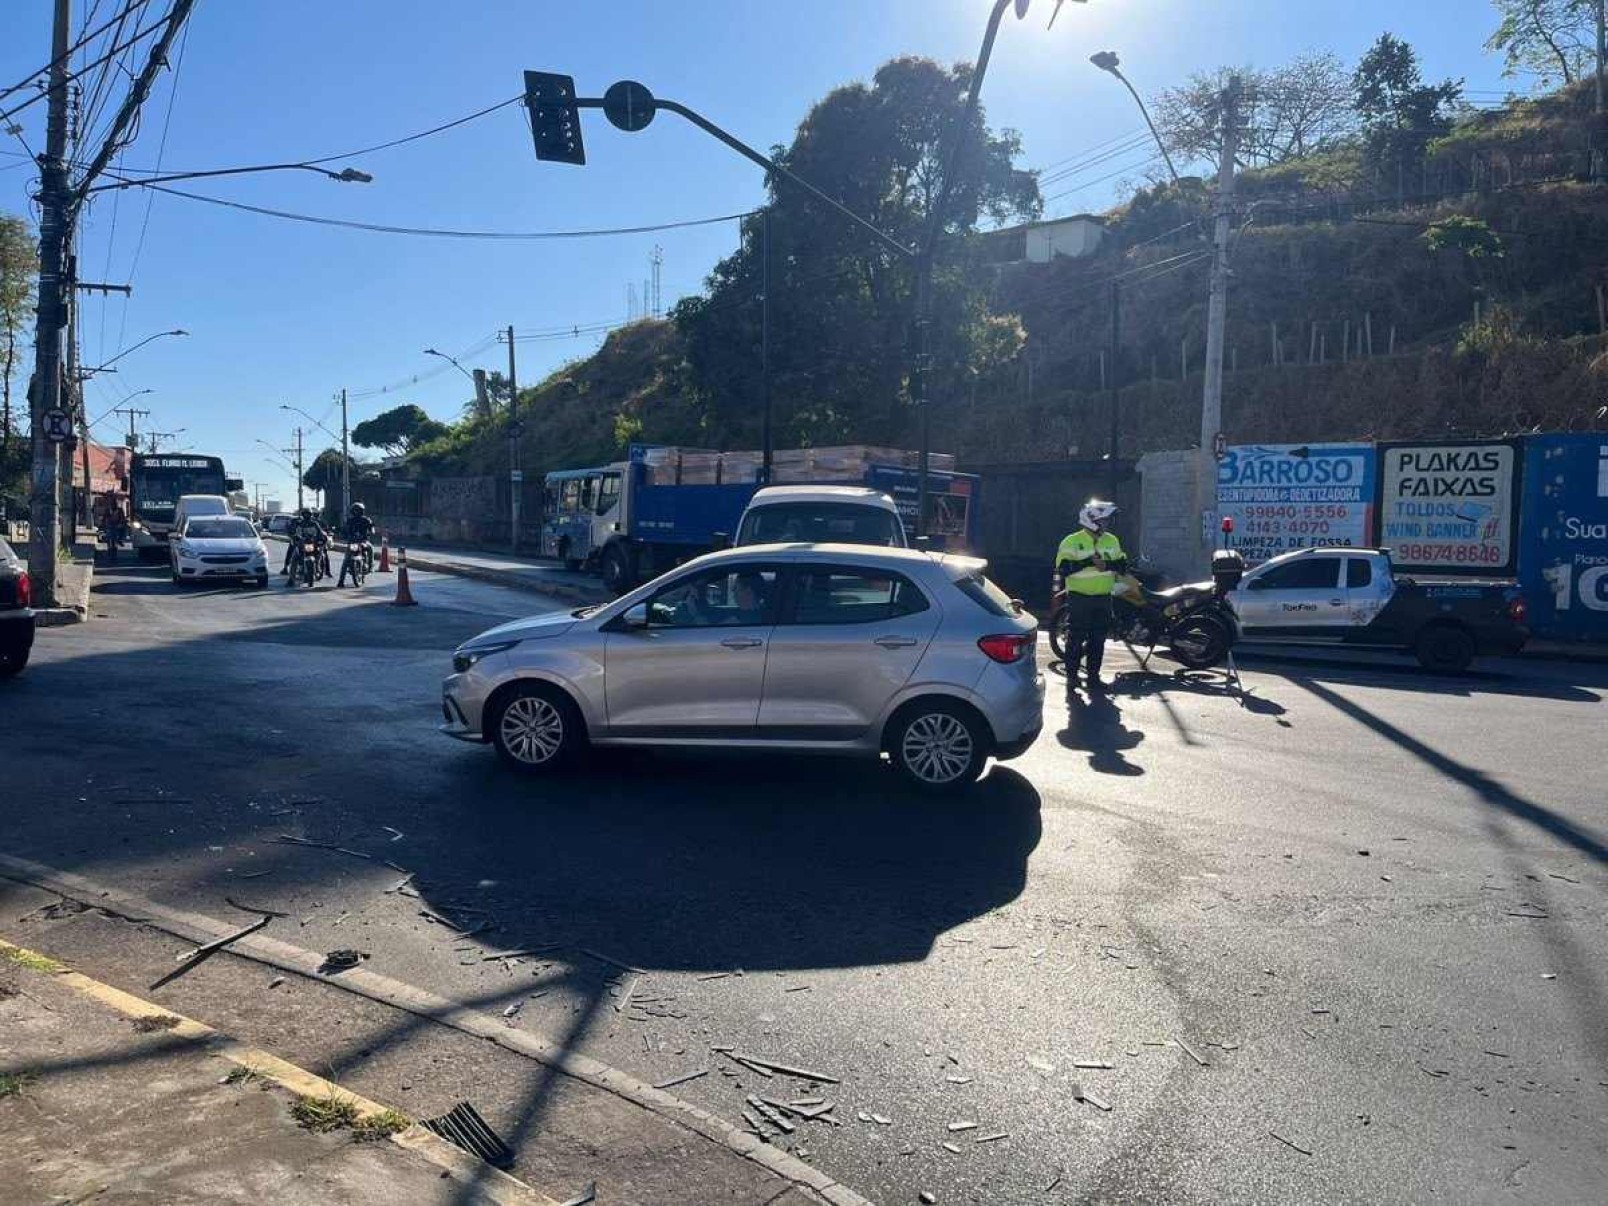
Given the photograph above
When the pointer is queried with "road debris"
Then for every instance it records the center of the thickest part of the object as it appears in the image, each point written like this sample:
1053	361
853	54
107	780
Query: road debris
951	1147
462	1125
292	840
1549	975
962	1126
1537	915
1566	879
396	834
341	960
202	953
798	988
276	981
519	954
881	1120
602	958
928	1199
994	1138
1042	1066
682	1079
771	1115
1079	1093
1291	1143
1091	1063
958	1080
862	1115
513	1009
401	883
624	999
771	1065
1196	1055
585	1197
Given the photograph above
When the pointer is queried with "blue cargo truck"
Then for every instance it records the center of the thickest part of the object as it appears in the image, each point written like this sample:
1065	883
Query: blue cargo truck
636	518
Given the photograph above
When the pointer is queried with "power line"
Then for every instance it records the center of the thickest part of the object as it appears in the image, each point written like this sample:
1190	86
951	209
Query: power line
440	233
67	54
73	76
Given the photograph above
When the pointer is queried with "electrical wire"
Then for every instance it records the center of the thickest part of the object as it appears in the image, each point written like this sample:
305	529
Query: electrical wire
433	232
66	56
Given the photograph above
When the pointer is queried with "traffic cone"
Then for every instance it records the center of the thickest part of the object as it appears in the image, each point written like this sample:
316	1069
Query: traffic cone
384	567
404	595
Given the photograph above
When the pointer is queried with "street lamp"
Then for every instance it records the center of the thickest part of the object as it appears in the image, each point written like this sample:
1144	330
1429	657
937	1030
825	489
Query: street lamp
935	227
1108	62
86	373
345	176
450	360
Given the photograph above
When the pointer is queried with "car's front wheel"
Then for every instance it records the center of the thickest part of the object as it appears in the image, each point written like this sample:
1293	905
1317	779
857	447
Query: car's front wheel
535	728
939	746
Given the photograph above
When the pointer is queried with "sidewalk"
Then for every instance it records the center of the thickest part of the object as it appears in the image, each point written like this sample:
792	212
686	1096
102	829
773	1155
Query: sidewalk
74	578
97	1103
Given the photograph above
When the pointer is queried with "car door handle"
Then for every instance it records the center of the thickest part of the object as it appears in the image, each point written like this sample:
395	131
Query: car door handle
895	642
1336	602
741	642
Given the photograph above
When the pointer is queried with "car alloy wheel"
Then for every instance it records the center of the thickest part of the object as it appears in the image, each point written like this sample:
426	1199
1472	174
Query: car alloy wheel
938	750
531	729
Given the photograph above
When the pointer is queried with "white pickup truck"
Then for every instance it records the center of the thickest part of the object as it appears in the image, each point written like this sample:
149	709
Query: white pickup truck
1353	597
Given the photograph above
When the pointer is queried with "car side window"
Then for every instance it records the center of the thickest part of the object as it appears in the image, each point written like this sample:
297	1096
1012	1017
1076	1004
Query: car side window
1306	573
833	595
720	598
1359	573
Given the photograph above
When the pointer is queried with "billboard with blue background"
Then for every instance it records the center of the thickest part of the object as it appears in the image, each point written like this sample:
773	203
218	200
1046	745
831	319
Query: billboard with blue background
1563	545
1291	496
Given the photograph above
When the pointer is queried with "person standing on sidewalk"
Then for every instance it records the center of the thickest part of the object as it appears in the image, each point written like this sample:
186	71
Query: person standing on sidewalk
1086	568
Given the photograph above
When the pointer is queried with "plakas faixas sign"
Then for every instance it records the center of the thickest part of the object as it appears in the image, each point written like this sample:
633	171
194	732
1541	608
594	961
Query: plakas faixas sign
1450	507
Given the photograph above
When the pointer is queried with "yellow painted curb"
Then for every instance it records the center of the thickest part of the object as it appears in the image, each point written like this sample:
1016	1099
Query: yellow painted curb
492	1184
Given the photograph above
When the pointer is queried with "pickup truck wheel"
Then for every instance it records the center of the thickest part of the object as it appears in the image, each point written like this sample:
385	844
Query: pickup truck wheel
617	569
1444	648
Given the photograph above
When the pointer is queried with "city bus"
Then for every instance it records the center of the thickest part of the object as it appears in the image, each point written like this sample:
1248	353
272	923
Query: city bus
156	482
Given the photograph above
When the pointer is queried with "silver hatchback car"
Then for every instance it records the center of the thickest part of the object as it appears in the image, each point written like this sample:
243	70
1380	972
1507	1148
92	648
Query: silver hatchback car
800	647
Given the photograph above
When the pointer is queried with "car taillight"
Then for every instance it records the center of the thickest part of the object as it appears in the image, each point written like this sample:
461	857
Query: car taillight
25	591
1518	609
1008	647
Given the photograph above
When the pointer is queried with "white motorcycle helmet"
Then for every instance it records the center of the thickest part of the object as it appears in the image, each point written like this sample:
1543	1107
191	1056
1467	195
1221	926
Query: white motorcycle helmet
1096	514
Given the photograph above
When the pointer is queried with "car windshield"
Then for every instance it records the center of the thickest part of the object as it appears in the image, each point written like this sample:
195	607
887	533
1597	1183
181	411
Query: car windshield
820	523
219	529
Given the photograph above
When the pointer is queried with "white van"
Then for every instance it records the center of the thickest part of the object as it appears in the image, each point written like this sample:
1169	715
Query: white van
191	505
821	515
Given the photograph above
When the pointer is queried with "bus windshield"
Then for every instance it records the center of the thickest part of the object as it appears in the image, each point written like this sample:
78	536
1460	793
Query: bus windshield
156	483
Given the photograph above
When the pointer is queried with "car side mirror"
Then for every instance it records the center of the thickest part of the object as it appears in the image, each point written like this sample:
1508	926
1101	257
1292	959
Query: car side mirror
722	540
634	619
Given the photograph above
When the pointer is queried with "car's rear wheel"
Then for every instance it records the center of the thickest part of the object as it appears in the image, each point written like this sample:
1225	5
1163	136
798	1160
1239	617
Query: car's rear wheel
12	661
938	746
535	728
1444	648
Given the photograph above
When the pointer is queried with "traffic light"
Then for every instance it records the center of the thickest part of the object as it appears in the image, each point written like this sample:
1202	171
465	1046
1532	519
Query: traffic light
555	122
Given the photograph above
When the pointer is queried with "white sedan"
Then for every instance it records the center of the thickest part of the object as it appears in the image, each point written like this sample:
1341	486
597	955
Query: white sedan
219	546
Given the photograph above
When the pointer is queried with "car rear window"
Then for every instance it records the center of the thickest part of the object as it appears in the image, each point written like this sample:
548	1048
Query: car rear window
986	595
219	529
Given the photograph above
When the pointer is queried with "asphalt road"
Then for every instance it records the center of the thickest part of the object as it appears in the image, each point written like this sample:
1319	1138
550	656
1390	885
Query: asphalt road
1341	940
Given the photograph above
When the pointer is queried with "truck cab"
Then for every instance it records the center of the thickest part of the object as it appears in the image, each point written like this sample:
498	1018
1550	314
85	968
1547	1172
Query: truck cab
821	515
583	510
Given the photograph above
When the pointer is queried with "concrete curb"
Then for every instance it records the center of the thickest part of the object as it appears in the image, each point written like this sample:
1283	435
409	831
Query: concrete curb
491	1184
73	582
197	927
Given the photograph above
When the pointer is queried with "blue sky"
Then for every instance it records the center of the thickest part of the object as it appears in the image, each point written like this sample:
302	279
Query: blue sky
285	313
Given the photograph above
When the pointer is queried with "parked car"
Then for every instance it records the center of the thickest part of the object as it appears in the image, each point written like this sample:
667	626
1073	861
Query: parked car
821	514
278	524
16	612
193	506
219	546
830	648
1352	597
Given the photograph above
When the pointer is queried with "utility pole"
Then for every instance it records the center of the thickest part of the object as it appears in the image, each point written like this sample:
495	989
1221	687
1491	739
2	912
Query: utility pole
516	476
1113	380
299	471
133	439
346	462
55	196
767	455
1602	49
1211	410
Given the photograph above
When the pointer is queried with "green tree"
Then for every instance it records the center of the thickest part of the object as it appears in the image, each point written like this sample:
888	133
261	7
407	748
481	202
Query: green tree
325	472
841	307
1400	113
1552	40
19	272
397	431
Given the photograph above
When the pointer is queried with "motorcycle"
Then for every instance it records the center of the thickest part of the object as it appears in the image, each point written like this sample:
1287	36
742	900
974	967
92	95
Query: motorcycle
115	535
1193	622
358	562
305	568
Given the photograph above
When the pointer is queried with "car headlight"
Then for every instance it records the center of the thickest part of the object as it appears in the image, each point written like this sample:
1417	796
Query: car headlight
467	657
185	550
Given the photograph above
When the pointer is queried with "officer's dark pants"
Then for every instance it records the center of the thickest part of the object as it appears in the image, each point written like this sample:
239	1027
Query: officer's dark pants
1087	619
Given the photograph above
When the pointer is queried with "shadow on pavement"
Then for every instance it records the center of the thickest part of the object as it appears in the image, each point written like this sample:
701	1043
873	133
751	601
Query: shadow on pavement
1094	724
1568	682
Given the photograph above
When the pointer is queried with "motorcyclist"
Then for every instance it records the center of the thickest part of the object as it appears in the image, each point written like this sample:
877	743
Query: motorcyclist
359	530
1086	568
306	528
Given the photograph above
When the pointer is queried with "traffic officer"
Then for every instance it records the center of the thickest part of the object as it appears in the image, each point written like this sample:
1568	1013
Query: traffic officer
1086	568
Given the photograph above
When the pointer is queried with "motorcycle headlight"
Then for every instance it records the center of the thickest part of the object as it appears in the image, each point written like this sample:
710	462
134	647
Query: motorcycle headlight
465	658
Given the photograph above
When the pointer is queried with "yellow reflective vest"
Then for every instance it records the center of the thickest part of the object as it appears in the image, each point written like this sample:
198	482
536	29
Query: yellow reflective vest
1075	559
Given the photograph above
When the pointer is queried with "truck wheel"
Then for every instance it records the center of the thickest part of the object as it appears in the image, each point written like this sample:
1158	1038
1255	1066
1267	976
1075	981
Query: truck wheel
617	574
1444	648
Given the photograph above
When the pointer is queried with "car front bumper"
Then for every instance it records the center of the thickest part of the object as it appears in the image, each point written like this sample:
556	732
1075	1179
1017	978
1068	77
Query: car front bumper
196	568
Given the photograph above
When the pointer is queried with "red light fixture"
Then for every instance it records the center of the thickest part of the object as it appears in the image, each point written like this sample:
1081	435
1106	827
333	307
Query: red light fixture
25	591
1008	647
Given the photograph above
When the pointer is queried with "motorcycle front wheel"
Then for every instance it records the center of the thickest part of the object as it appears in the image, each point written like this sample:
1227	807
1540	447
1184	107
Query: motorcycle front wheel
309	571
1058	633
1199	641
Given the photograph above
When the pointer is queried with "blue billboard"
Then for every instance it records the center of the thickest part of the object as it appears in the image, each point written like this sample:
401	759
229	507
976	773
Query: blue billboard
1563	546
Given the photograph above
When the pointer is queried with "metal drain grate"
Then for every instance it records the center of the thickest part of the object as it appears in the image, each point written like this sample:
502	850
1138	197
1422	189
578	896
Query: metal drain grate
464	1126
